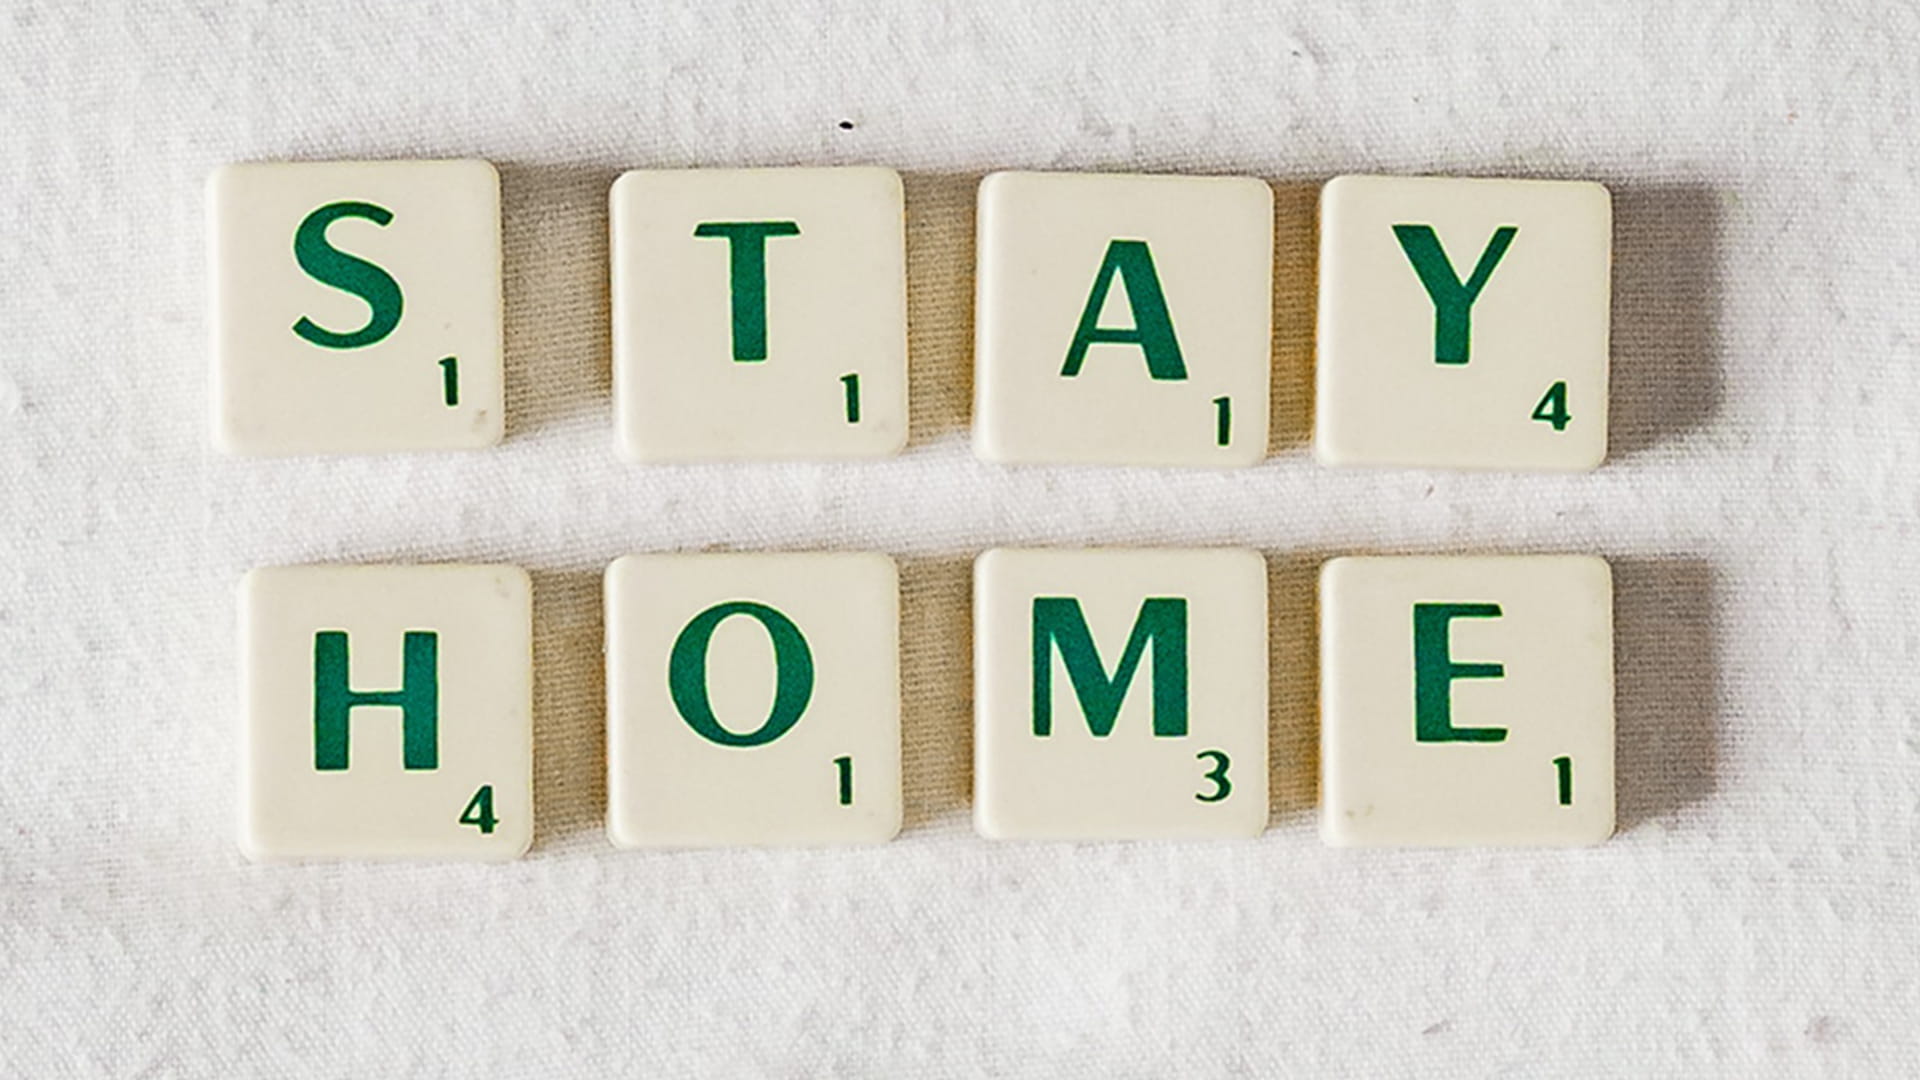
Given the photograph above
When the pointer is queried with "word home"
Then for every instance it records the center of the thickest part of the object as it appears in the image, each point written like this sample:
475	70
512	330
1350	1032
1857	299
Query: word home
754	700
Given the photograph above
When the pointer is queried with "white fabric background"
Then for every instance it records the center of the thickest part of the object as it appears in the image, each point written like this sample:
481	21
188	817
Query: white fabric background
1758	915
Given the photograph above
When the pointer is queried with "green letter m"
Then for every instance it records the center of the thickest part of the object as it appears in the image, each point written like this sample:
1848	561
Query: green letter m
1162	623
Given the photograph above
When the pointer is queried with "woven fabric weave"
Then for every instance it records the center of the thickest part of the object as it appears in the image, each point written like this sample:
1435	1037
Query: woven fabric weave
1757	915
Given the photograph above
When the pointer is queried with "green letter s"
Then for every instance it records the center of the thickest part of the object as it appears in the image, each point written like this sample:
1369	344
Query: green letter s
348	273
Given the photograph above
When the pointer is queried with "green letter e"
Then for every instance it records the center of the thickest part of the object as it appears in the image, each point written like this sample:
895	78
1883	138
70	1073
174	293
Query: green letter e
1434	670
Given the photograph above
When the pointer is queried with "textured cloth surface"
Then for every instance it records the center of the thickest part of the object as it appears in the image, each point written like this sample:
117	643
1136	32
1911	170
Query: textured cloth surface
1758	915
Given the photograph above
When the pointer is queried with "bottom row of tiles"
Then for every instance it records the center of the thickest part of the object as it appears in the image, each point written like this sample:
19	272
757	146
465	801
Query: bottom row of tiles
754	699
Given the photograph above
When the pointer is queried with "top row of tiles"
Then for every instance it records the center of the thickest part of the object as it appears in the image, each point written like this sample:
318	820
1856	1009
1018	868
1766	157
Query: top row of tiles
761	314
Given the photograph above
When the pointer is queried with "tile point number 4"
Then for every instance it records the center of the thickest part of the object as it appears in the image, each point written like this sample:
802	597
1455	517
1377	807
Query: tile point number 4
754	699
1463	323
760	314
387	712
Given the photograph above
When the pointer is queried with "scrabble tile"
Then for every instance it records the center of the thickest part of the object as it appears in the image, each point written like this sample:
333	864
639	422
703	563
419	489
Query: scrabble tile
1463	323
1120	694
1123	319
1466	701
356	306
753	699
759	314
388	712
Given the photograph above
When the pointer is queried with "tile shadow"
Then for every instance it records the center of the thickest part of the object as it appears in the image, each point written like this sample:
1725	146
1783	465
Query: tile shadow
1666	368
1666	696
940	256
553	222
569	706
1296	231
1293	687
936	688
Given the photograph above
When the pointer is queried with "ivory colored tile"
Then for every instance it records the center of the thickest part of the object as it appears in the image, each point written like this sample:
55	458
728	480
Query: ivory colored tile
1123	320
753	699
759	314
388	712
1466	701
356	306
1120	694
1463	323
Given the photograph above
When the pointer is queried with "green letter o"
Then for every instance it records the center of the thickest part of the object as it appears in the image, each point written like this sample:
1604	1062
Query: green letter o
793	674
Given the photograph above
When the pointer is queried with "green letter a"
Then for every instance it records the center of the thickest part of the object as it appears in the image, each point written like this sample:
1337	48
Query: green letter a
1152	327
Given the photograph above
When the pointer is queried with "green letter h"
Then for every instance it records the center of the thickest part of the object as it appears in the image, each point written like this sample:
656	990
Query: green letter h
418	700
